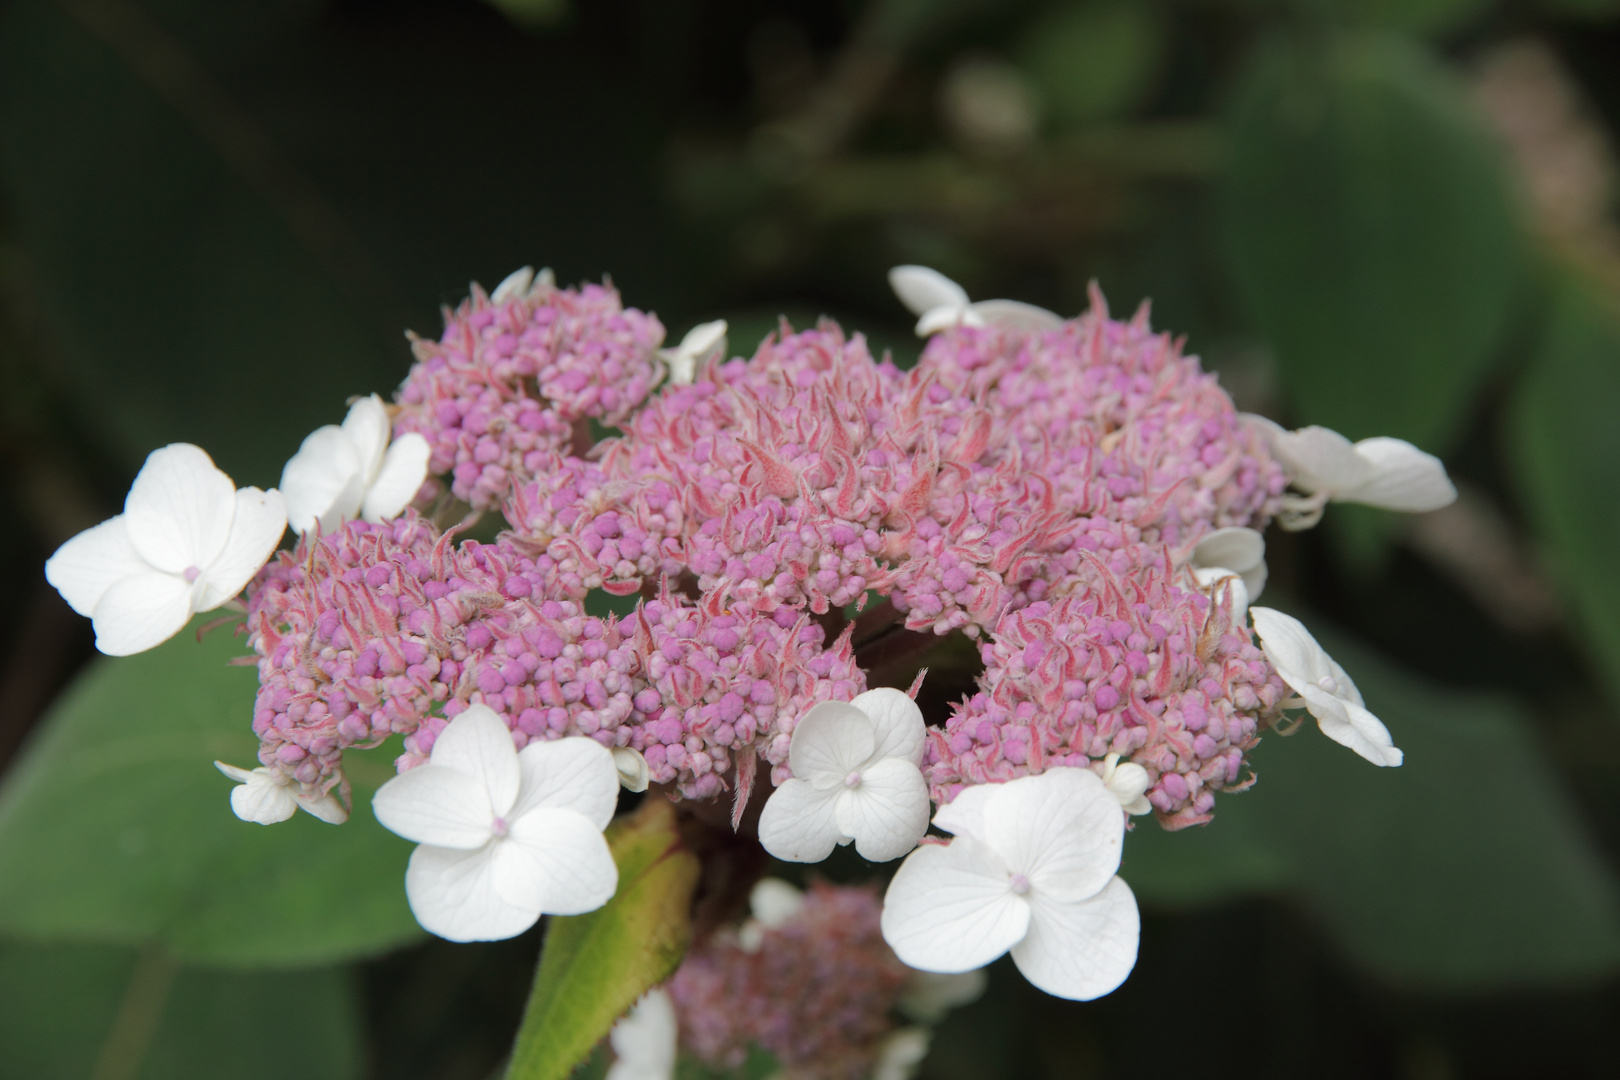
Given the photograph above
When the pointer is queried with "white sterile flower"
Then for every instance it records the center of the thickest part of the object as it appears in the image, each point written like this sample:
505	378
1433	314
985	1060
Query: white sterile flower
1032	871
1129	783
703	341
265	796
772	903
1384	472
941	303
1328	692
187	541
1232	551
644	1039
341	473
632	767
855	777
505	836
901	1054
928	995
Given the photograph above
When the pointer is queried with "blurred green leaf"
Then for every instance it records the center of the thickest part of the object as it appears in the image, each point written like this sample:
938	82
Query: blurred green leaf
1566	451
1093	60
1417	16
76	1011
593	967
115	826
1464	869
1372	234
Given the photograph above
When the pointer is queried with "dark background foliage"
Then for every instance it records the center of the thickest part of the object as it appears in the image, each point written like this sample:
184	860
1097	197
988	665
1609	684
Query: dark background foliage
217	220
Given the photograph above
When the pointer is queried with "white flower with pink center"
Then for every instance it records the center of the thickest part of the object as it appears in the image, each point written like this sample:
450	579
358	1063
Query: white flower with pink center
1324	686
1031	871
505	836
941	303
856	778
353	471
187	541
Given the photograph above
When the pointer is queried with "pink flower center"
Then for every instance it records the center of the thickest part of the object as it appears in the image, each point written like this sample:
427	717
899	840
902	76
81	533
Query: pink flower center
1020	884
500	827
853	780
191	573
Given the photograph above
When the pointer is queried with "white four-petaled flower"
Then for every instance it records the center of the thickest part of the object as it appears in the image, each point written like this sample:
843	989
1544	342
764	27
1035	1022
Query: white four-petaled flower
1328	692
1384	472
645	1039
265	796
703	341
941	303
1031	871
341	473
1234	559
855	777
505	836
187	541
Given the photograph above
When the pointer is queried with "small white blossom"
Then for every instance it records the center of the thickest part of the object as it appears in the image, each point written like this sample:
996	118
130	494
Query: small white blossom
1236	555
265	796
521	282
632	767
902	1054
187	541
701	343
855	778
941	303
928	995
644	1039
1032	871
772	902
1129	783
341	473
1384	472
505	836
1327	690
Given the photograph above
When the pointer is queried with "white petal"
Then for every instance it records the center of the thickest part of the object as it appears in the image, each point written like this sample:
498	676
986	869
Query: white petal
929	995
897	724
1015	315
258	796
1349	724
1239	550
179	509
831	741
452	894
367	428
324	482
645	1039
513	285
1061	829
799	822
901	1054
1083	950
575	774
403	471
1299	660
140	611
951	908
1129	783
240	775
557	859
86	566
943	318
682	369
1403	478
964	815
922	289
703	339
773	902
888	812
1319	459
256	529
479	745
632	768
435	805
326	807
1217	581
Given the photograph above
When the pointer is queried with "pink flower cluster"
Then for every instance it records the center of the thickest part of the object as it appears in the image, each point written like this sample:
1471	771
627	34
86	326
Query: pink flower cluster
1037	490
816	993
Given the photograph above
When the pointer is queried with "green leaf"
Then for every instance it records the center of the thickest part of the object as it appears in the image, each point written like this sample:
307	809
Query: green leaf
1094	60
76	1011
1464	869
115	826
1565	445
595	966
1372	234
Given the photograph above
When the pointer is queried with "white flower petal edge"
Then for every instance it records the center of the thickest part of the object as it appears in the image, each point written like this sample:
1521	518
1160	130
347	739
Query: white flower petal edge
633	772
187	541
1327	690
645	1039
1035	877
941	303
1384	472
349	471
1129	783
701	343
855	779
264	797
505	836
1239	551
902	1054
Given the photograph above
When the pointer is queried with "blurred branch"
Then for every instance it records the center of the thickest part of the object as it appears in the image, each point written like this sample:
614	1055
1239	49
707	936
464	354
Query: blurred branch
162	62
124	1052
1472	543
